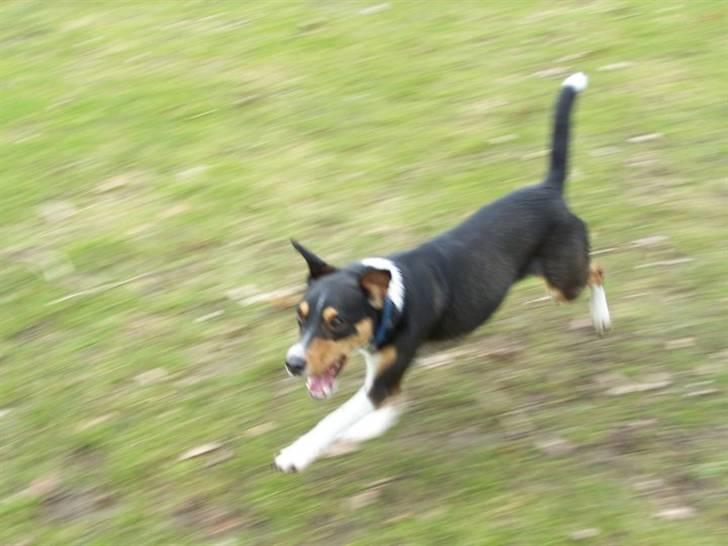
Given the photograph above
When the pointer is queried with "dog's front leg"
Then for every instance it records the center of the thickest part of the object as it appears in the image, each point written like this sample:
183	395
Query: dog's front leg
377	422
311	445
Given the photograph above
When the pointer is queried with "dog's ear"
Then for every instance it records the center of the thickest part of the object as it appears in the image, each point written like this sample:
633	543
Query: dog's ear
316	266
376	283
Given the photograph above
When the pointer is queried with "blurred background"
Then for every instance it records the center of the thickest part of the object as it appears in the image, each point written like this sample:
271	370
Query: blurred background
155	157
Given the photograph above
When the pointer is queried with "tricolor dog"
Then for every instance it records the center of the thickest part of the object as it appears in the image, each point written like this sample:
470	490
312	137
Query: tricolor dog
387	307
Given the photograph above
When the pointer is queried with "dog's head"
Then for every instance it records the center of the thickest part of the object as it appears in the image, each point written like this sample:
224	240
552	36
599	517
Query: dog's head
337	315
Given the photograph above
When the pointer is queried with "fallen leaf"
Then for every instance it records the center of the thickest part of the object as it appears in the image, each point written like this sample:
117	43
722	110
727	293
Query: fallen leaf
377	8
400	517
174	210
383	481
43	486
676	514
645	138
441	358
584	534
636	295
364	498
551	72
655	382
534	155
283	298
210	316
573	56
57	211
701	392
246	100
555	446
640	423
150	377
604	151
219	457
113	183
539	300
681	343
372	492
649	486
507	353
602	251
200	450
615	66
720	356
700	388
260	429
580	324
5	411
192	172
661	263
502	139
90	423
653	240
610	379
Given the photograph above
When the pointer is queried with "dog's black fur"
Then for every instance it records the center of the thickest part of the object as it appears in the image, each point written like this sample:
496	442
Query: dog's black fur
455	282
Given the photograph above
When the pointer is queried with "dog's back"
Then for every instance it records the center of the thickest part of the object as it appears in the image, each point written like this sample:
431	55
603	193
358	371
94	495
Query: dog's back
472	266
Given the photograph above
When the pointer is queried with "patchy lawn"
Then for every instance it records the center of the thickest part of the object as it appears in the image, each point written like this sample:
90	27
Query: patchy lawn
157	156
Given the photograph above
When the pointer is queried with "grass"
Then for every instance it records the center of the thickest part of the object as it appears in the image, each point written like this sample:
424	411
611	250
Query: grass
156	157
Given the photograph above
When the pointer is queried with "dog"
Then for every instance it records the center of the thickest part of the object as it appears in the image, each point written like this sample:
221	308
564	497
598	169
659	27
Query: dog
445	288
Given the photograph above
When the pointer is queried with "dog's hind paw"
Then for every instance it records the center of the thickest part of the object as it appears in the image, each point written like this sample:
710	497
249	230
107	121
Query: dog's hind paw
599	310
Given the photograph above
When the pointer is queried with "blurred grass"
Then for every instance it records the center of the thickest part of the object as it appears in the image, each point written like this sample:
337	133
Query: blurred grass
157	156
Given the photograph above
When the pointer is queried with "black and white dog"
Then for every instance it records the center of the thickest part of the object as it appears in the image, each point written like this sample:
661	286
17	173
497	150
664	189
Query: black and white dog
447	287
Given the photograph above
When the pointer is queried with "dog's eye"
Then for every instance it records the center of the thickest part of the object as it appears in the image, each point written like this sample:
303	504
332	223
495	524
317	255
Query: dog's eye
337	323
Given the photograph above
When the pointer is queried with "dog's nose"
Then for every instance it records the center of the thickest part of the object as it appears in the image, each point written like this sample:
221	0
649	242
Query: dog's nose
296	359
295	365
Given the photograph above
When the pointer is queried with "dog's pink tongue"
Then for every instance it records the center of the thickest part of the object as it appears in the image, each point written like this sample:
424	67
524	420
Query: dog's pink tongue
320	386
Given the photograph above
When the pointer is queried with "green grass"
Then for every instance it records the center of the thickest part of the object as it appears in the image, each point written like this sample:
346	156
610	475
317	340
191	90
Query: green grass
157	156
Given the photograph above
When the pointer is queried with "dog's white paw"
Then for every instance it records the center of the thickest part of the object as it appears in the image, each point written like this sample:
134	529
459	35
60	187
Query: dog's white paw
295	458
599	310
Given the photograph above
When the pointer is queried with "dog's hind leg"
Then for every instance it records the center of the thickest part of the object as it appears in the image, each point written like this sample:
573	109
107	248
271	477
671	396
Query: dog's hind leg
564	259
567	270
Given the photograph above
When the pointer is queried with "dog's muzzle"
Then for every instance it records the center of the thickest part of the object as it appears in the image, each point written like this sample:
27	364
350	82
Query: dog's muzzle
295	360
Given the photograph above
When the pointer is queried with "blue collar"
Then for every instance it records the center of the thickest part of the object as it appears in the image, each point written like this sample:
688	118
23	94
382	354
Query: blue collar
385	323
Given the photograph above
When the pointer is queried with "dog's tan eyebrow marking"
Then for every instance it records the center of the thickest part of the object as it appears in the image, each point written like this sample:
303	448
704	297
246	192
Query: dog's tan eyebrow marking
303	308
329	313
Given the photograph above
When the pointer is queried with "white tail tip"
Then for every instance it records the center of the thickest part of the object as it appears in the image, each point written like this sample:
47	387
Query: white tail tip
577	82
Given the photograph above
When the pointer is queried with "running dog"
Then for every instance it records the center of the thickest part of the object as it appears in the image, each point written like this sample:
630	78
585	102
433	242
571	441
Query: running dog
445	288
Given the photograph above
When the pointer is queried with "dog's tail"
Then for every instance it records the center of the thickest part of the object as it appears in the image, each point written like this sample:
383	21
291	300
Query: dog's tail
571	87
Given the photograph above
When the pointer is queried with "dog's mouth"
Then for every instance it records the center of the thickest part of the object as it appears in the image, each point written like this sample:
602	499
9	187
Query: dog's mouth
322	386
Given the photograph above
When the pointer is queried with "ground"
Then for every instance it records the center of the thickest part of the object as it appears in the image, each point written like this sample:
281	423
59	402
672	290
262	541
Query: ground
157	156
